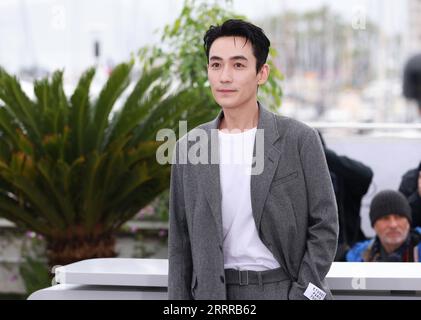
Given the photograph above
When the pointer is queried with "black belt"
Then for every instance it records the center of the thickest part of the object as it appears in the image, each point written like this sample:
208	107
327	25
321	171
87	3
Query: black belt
246	277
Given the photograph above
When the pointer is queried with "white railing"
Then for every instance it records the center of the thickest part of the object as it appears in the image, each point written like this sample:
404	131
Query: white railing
145	279
364	125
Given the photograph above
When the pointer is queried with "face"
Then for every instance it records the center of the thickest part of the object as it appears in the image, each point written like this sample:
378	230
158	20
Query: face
232	72
392	229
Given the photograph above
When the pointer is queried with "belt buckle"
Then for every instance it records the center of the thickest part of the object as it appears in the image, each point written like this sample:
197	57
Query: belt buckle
247	277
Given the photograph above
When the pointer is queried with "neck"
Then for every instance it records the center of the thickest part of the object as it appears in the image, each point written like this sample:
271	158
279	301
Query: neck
389	248
241	118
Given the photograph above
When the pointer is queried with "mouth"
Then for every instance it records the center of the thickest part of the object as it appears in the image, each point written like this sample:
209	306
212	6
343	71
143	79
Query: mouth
394	234
226	91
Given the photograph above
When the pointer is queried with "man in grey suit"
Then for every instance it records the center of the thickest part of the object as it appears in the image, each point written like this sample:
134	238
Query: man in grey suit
264	227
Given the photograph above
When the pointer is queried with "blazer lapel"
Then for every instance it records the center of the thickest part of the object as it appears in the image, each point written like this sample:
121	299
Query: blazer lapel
211	180
260	183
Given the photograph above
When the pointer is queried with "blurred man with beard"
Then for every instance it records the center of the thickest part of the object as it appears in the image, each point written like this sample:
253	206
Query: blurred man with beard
395	241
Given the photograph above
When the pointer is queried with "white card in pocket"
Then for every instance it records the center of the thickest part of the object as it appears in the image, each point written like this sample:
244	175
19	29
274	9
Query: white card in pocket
314	293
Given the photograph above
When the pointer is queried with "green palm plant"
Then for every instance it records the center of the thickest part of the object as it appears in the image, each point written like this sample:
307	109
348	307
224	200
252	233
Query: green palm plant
73	171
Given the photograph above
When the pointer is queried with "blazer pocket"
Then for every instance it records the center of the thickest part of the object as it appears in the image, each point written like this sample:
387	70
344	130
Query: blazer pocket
288	177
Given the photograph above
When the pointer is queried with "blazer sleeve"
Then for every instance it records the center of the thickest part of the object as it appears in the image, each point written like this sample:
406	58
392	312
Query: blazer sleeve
323	228
179	250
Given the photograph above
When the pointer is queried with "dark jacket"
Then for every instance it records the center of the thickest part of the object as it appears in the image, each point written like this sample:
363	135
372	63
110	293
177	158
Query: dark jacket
409	187
351	180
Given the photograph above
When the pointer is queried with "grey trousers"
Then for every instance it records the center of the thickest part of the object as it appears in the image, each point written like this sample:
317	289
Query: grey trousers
267	291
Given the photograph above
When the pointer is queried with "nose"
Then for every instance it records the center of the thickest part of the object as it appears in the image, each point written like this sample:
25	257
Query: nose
393	221
226	76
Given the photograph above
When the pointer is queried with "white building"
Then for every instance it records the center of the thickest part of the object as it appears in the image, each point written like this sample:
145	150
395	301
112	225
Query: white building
414	27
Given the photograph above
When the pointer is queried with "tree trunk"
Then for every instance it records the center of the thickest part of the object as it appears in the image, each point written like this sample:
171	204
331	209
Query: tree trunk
61	252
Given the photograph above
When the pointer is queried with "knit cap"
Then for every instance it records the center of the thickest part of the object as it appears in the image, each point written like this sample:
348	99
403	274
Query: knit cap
389	202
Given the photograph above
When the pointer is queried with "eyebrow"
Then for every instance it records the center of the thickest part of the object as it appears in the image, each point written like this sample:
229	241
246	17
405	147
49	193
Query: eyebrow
216	58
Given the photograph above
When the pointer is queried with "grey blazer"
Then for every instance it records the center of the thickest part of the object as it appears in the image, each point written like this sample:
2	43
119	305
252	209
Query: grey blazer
293	206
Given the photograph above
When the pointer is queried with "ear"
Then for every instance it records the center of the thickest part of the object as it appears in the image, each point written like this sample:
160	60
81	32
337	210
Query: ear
263	74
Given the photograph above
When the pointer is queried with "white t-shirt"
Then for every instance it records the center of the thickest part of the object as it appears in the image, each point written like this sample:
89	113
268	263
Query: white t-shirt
243	249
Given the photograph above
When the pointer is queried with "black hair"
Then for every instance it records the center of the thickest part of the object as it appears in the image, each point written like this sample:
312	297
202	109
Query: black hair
239	28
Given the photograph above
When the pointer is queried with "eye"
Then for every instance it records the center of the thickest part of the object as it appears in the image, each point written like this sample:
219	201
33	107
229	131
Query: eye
239	65
215	65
